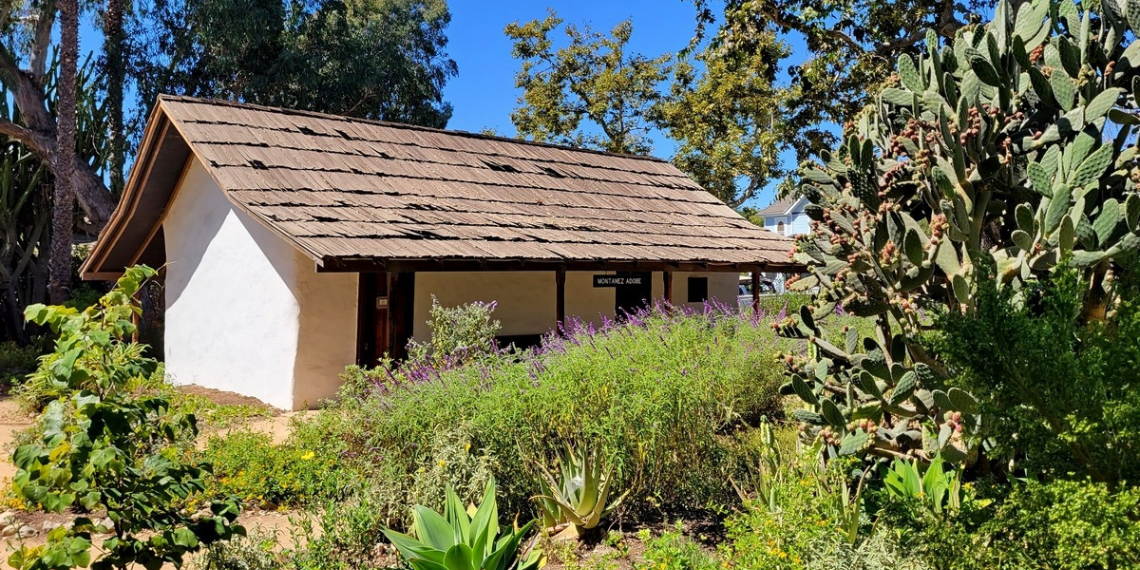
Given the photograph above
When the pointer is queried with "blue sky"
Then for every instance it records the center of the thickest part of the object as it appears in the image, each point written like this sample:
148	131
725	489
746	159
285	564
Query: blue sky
484	94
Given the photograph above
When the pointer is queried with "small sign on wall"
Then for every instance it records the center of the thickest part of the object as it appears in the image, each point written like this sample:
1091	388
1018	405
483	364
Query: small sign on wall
619	280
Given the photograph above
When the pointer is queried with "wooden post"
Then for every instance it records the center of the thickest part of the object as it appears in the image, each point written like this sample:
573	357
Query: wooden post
668	278
560	295
755	291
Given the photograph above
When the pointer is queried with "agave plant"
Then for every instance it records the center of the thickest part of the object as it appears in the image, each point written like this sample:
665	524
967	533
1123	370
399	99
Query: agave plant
457	540
578	501
933	488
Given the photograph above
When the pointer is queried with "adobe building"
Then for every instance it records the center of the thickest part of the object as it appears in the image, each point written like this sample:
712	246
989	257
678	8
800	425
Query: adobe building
296	243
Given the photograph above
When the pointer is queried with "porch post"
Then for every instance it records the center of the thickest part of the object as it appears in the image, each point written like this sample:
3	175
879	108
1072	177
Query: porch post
755	291
668	278
560	295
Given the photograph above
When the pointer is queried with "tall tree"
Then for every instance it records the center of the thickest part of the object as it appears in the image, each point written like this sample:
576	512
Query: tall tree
722	115
63	196
378	59
114	69
27	31
591	80
852	46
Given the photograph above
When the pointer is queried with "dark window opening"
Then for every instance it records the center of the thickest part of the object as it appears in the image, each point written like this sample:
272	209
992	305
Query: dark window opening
698	289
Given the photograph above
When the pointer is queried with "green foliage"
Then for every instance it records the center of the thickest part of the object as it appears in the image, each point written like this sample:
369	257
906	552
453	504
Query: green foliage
458	333
253	552
17	361
672	550
805	516
844	56
937	489
1061	525
724	119
653	396
323	56
459	541
972	160
1060	389
249	466
591	80
580	498
90	353
103	448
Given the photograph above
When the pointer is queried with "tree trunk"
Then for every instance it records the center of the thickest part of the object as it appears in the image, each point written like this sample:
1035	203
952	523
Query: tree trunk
63	197
115	68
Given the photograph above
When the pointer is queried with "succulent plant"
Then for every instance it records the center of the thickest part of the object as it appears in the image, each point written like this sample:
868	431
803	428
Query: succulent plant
580	498
1000	155
457	540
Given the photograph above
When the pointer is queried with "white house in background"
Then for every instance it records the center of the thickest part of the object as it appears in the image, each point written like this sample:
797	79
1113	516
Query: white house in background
294	243
786	217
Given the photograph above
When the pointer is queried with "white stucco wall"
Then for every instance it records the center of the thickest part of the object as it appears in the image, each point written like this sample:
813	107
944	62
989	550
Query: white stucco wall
246	312
526	299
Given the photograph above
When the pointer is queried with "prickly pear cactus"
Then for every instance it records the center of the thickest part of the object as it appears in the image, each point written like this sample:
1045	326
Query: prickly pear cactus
1008	149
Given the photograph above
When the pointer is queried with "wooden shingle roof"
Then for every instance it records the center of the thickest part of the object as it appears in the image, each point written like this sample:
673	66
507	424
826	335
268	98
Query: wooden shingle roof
351	192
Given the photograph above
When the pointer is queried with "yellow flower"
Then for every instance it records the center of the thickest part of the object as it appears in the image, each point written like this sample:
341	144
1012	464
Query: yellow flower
442	463
467	447
308	455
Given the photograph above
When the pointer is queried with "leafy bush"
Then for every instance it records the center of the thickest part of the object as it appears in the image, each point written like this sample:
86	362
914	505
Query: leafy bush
252	552
672	550
458	333
17	361
1060	390
248	465
101	447
656	395
1062	525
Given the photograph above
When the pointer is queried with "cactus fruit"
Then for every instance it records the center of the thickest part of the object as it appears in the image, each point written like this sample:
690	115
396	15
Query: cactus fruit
1001	154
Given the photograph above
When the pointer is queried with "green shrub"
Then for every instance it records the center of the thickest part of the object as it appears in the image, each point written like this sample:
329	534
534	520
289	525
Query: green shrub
672	550
101	447
458	333
656	396
17	361
252	552
1060	390
248	465
1062	525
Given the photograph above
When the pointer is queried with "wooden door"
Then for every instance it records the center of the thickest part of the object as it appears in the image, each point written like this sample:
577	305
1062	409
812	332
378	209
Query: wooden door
632	298
373	327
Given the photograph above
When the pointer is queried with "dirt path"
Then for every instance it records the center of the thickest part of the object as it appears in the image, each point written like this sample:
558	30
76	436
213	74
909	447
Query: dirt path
12	420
